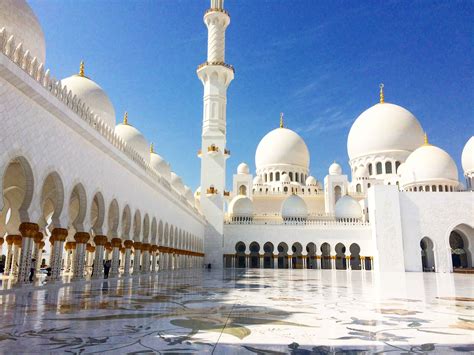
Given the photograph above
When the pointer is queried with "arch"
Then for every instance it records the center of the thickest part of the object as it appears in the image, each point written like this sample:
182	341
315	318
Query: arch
126	222
137	226
146	228
355	257
297	256
240	255
370	168
358	188
337	193
311	256
277	176
52	200
254	248
268	262
243	190
340	256
160	233
282	255
427	255
166	235
378	168
77	207
461	242
325	256
388	167
113	218
97	214
154	231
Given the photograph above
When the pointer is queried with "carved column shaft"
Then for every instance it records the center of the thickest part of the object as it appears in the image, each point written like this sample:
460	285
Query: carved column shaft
78	266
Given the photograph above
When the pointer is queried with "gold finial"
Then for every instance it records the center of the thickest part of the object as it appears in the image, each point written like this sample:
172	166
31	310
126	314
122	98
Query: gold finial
151	148
125	118
382	97
426	140
281	120
81	69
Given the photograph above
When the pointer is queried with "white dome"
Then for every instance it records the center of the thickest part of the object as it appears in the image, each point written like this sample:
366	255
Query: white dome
160	165
361	172
282	146
335	169
428	164
382	128
188	193
257	180
285	178
133	138
400	169
347	207
241	206
20	21
177	183
467	157
243	169
93	96
311	181
294	207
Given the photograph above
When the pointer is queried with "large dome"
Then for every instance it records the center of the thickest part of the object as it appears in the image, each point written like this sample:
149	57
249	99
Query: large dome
429	164
133	138
467	157
93	95
241	206
294	207
19	20
282	146
347	207
382	128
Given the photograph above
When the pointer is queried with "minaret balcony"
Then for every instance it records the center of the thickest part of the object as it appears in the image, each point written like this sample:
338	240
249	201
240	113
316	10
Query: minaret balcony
228	66
199	153
216	10
212	149
226	152
226	193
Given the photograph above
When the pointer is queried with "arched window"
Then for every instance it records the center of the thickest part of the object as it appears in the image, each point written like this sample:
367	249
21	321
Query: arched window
370	169
427	188
271	176
388	167
379	168
285	189
433	188
451	189
397	164
265	177
302	178
337	193
368	185
415	189
358	188
243	190
446	188
291	176
440	188
277	176
297	177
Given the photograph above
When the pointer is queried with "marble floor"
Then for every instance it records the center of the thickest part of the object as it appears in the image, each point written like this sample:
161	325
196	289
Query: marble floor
245	312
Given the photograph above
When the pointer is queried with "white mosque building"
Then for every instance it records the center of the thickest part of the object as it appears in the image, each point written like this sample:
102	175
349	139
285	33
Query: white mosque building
65	161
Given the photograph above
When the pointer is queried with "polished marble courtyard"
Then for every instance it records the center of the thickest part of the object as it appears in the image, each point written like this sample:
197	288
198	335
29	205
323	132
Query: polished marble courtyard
245	311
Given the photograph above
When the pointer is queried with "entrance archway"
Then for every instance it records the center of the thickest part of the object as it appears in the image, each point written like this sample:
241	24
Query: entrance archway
297	257
254	255
355	257
311	250
282	256
240	255
461	241
268	255
427	255
340	256
325	256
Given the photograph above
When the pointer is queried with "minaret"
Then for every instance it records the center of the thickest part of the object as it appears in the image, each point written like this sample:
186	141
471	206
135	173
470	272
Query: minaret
215	76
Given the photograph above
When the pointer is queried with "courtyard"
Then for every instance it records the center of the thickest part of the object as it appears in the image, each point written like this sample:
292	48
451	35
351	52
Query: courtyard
260	311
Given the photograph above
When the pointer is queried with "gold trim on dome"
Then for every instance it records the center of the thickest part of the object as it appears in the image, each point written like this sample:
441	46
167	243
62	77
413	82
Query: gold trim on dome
425	140
152	148
382	96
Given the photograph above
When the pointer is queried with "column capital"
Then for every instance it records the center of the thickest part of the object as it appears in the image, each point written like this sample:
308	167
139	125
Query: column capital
81	237
100	240
116	242
90	248
38	237
17	240
28	229
108	246
128	243
10	239
137	245
70	245
59	234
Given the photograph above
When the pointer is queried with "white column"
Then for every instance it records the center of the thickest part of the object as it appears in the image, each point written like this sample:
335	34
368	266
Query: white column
59	235
8	263
333	262
318	262
28	232
136	257
81	239
126	263
114	267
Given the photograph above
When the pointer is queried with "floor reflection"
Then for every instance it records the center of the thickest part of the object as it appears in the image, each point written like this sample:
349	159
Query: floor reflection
245	311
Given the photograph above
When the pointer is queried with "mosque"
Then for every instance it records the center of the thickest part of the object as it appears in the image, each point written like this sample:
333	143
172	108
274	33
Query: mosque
64	162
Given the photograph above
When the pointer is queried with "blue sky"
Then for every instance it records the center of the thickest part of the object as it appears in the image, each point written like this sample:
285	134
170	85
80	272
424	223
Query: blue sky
319	62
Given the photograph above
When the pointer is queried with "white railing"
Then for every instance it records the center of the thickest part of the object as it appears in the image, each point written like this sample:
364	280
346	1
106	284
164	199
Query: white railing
30	65
308	222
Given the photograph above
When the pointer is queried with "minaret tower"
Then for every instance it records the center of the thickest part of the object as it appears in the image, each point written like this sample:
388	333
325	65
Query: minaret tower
216	76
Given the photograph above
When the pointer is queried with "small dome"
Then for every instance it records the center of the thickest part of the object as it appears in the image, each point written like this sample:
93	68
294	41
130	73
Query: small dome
93	95
429	164
282	146
335	169
243	169
400	169
361	172
188	193
160	165
383	128
347	207
294	207
20	21
177	183
285	178
134	138
311	181
241	206
467	157
257	180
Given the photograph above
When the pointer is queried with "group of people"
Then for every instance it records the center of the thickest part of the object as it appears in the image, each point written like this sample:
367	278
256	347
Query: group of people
107	264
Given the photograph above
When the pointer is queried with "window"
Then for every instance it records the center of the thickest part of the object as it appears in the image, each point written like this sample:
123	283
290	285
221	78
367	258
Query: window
379	168
368	185
302	178
265	177
297	177
397	164
415	189
291	176
370	169
433	188
451	189
243	190
358	188
277	176
271	176
427	188
285	189
441	188
388	167
337	193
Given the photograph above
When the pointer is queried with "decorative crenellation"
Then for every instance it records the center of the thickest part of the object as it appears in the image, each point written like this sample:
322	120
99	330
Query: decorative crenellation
31	65
302	222
228	66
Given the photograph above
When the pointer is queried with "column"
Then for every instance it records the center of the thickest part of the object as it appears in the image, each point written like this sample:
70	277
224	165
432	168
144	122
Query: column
16	254
51	254
154	251
81	239
333	262
59	236
371	263
8	262
136	257
38	250
318	262
128	244
362	262
116	245
247	261
108	251
275	261
145	261
261	260
348	262
290	262
304	261
98	266
89	258
28	232
69	248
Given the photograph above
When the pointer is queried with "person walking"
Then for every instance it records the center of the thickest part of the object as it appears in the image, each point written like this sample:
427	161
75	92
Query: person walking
32	270
107	265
